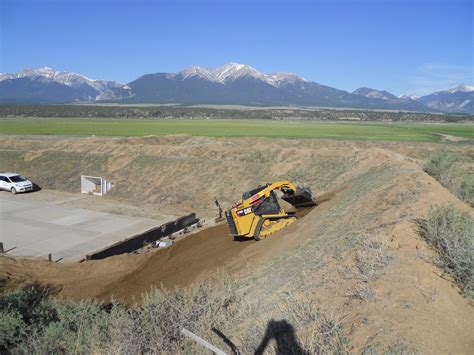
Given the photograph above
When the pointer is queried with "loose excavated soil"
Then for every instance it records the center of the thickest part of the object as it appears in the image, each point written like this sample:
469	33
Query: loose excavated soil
180	264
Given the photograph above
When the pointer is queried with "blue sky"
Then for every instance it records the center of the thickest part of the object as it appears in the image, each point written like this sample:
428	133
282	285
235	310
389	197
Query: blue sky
403	46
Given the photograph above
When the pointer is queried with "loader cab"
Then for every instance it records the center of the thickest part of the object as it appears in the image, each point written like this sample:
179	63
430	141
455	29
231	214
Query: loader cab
266	206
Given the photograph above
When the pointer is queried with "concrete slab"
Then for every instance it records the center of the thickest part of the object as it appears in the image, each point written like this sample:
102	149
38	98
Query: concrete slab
76	217
12	206
32	227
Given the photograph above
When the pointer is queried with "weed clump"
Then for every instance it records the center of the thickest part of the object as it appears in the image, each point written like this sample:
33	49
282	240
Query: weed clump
321	332
440	163
21	312
451	232
361	293
371	259
33	322
446	167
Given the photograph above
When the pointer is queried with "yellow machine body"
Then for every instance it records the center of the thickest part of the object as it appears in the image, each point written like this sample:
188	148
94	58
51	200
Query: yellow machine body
258	213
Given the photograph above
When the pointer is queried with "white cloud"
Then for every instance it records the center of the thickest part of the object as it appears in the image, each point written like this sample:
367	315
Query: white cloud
432	77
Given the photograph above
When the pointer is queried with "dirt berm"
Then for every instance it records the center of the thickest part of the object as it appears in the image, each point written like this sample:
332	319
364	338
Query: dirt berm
357	256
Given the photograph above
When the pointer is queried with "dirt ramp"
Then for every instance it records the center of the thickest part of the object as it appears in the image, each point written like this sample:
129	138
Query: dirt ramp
179	265
329	195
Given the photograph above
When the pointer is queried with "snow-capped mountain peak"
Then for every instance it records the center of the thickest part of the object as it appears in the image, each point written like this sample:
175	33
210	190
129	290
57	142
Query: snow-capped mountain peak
230	72
197	71
46	73
374	94
283	77
461	88
96	89
459	99
409	96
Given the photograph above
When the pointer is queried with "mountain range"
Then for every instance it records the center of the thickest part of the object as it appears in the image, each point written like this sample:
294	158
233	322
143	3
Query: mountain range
232	83
45	85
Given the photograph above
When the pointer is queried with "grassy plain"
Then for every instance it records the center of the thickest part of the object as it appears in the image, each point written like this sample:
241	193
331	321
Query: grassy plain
235	128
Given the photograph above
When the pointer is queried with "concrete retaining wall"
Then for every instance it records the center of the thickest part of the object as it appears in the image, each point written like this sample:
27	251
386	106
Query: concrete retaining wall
138	241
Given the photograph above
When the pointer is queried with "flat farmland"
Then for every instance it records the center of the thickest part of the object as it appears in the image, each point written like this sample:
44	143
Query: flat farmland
237	128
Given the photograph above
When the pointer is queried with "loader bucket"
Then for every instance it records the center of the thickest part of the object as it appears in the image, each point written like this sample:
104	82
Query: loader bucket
301	198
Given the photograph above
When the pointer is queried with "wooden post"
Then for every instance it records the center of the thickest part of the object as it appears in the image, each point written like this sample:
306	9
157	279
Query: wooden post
50	257
201	341
1	248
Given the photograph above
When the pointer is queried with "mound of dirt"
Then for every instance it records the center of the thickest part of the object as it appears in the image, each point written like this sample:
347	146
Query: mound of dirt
179	265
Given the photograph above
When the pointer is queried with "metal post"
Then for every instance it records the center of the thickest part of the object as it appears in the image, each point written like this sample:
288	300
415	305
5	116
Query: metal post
219	216
201	341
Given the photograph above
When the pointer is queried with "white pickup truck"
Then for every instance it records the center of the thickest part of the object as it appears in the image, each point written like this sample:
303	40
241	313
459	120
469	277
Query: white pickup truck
15	183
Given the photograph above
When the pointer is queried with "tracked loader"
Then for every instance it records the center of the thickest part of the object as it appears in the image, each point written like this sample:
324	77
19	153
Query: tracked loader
258	214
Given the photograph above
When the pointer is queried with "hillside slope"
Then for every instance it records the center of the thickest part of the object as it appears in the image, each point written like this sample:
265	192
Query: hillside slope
357	256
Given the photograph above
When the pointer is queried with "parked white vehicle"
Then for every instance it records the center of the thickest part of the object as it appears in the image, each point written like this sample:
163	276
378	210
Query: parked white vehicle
15	183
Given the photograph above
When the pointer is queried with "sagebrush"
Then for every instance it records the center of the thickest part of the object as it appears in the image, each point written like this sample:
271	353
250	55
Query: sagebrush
31	321
451	232
449	169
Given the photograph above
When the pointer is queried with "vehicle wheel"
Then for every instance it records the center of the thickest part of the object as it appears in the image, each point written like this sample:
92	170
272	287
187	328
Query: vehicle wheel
13	190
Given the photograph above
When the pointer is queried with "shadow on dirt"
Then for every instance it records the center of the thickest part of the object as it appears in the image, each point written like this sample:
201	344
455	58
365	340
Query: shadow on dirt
284	335
281	331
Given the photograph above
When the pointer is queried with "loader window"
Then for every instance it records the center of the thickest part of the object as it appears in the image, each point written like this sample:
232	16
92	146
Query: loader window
269	206
250	193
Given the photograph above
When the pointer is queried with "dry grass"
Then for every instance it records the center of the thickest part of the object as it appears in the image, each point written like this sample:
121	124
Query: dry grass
296	326
320	332
451	232
361	293
33	322
452	170
370	259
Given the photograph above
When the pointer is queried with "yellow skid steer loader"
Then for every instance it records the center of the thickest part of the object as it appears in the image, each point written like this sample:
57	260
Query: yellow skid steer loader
259	214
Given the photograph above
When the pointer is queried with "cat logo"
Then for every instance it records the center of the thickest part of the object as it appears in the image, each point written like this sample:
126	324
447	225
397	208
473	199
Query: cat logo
244	211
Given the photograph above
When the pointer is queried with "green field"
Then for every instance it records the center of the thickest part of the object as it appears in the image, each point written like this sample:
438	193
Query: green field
235	128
